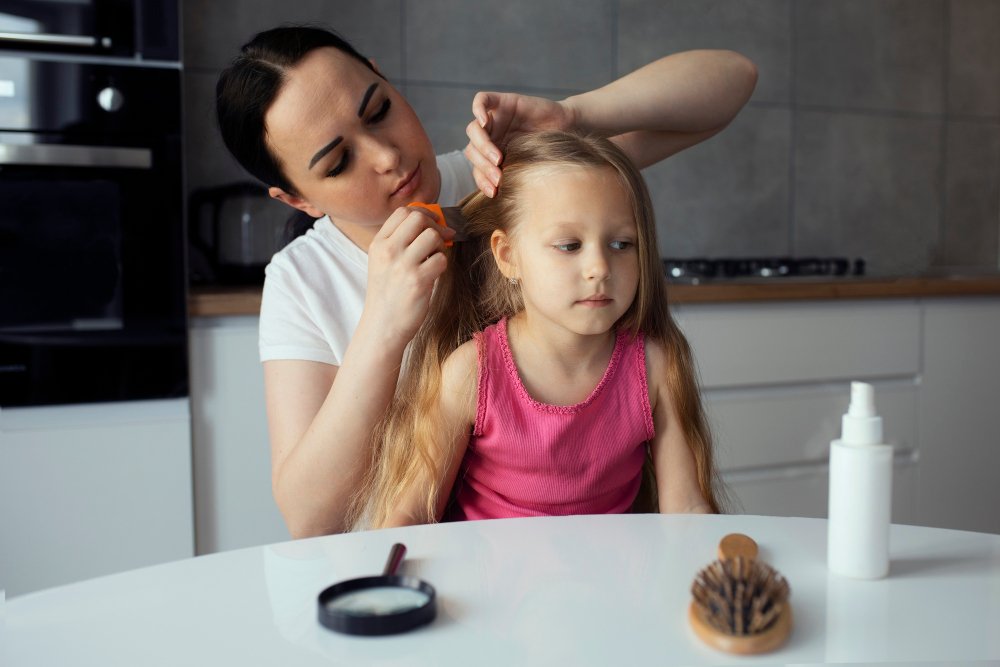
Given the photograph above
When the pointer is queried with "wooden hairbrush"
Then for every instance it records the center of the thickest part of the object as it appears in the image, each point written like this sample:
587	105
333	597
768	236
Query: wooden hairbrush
740	604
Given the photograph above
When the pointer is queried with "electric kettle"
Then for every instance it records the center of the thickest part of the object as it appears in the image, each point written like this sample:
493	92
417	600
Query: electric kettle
234	230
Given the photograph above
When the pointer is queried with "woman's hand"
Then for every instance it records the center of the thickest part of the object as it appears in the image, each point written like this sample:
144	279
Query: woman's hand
498	118
404	260
659	109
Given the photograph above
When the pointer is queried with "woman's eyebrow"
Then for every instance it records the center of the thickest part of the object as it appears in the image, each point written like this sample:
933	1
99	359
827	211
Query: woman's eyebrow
323	151
368	96
333	144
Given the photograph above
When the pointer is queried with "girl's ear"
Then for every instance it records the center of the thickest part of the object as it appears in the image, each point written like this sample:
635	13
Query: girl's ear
295	202
503	253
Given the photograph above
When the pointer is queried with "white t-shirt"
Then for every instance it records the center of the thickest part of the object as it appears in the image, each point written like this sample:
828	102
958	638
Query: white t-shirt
314	289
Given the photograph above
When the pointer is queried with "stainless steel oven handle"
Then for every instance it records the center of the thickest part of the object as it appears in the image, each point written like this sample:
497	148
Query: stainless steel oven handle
58	155
45	39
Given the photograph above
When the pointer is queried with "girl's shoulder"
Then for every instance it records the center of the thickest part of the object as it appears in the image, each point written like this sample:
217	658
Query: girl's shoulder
459	368
459	379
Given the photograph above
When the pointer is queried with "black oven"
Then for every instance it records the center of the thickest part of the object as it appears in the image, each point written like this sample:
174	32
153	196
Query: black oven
144	29
92	273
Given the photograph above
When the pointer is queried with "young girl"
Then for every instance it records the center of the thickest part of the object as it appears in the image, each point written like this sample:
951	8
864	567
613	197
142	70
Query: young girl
315	121
549	364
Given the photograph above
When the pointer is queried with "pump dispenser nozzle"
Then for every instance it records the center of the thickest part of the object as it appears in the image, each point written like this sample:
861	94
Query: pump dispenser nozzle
861	425
862	400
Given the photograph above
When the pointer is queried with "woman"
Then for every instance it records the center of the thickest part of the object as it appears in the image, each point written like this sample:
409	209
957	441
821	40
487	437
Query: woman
314	120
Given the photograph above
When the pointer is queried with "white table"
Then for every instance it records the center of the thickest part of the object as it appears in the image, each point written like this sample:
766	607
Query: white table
598	590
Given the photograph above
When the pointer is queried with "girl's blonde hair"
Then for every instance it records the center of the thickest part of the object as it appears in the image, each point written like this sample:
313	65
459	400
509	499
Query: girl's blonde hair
409	448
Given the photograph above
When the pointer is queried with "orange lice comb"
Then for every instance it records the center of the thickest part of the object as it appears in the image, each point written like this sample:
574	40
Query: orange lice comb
446	216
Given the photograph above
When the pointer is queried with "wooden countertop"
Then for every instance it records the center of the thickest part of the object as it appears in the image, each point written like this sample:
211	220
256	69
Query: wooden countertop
220	301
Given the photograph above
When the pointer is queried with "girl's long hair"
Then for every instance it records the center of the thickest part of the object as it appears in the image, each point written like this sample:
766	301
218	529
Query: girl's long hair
409	448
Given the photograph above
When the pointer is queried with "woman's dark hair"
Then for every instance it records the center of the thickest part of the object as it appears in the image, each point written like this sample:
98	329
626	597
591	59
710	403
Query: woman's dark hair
247	88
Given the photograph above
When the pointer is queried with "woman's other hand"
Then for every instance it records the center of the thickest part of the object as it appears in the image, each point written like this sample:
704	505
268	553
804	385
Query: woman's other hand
404	260
500	117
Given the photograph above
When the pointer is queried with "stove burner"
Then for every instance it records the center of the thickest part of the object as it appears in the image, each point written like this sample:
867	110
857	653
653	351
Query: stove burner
697	269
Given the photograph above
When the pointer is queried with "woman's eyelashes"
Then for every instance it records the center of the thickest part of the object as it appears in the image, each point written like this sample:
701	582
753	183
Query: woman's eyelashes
342	165
374	119
382	112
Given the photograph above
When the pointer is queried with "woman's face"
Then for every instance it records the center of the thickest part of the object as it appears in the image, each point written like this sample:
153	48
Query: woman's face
349	143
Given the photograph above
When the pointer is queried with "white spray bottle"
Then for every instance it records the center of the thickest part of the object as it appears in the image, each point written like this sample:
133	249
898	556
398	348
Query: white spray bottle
860	492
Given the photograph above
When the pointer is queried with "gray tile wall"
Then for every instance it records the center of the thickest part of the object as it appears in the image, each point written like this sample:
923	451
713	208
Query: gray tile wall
874	130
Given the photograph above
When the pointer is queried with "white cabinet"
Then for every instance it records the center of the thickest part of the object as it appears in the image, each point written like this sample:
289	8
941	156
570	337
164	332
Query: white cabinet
785	343
234	507
776	380
959	414
88	490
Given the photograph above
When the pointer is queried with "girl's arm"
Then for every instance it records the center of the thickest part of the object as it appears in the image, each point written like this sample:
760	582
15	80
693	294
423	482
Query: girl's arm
457	407
320	417
652	113
676	476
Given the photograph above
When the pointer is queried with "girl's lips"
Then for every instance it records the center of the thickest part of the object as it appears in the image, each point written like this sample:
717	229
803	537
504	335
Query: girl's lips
409	186
596	303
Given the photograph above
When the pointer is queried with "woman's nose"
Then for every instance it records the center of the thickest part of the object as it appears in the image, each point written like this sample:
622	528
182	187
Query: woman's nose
384	154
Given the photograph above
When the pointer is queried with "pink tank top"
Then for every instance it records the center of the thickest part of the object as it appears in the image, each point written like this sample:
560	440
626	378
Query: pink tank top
527	458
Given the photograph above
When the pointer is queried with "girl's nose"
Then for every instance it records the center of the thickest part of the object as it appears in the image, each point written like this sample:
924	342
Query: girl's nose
598	267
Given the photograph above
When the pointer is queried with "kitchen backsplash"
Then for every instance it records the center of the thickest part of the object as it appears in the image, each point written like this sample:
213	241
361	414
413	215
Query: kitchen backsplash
874	130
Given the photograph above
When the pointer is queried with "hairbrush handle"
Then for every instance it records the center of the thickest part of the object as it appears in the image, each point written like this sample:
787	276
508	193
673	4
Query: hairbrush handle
737	545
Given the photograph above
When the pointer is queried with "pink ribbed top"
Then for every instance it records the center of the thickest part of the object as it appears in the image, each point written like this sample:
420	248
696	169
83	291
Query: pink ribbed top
527	458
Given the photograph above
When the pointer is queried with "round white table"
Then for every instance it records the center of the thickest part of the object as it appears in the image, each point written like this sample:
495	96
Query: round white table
585	590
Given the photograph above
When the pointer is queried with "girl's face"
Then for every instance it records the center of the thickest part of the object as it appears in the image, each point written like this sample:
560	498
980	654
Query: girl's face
573	248
349	143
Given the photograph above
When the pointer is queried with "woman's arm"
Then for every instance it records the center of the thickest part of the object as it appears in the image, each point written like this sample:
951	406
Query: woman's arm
652	113
457	407
320	416
668	105
676	475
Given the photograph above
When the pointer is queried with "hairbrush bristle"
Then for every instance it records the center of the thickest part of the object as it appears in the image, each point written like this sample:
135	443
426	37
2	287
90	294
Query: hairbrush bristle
740	596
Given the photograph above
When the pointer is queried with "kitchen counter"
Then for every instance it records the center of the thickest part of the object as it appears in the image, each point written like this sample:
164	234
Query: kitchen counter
579	590
219	301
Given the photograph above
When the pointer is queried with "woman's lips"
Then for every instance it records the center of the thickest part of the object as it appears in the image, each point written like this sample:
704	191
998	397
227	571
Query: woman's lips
409	186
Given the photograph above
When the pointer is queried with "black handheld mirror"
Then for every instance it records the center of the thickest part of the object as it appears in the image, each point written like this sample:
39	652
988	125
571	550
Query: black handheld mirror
382	605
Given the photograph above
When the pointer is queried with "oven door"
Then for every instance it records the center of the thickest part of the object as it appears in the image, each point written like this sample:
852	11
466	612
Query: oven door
91	26
123	28
91	277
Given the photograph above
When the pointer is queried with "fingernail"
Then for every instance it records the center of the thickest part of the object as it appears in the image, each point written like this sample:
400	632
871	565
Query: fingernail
493	192
495	156
496	179
482	120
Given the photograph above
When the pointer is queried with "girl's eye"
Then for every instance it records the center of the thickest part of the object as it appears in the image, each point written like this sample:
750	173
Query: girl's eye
341	166
621	245
382	112
567	247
